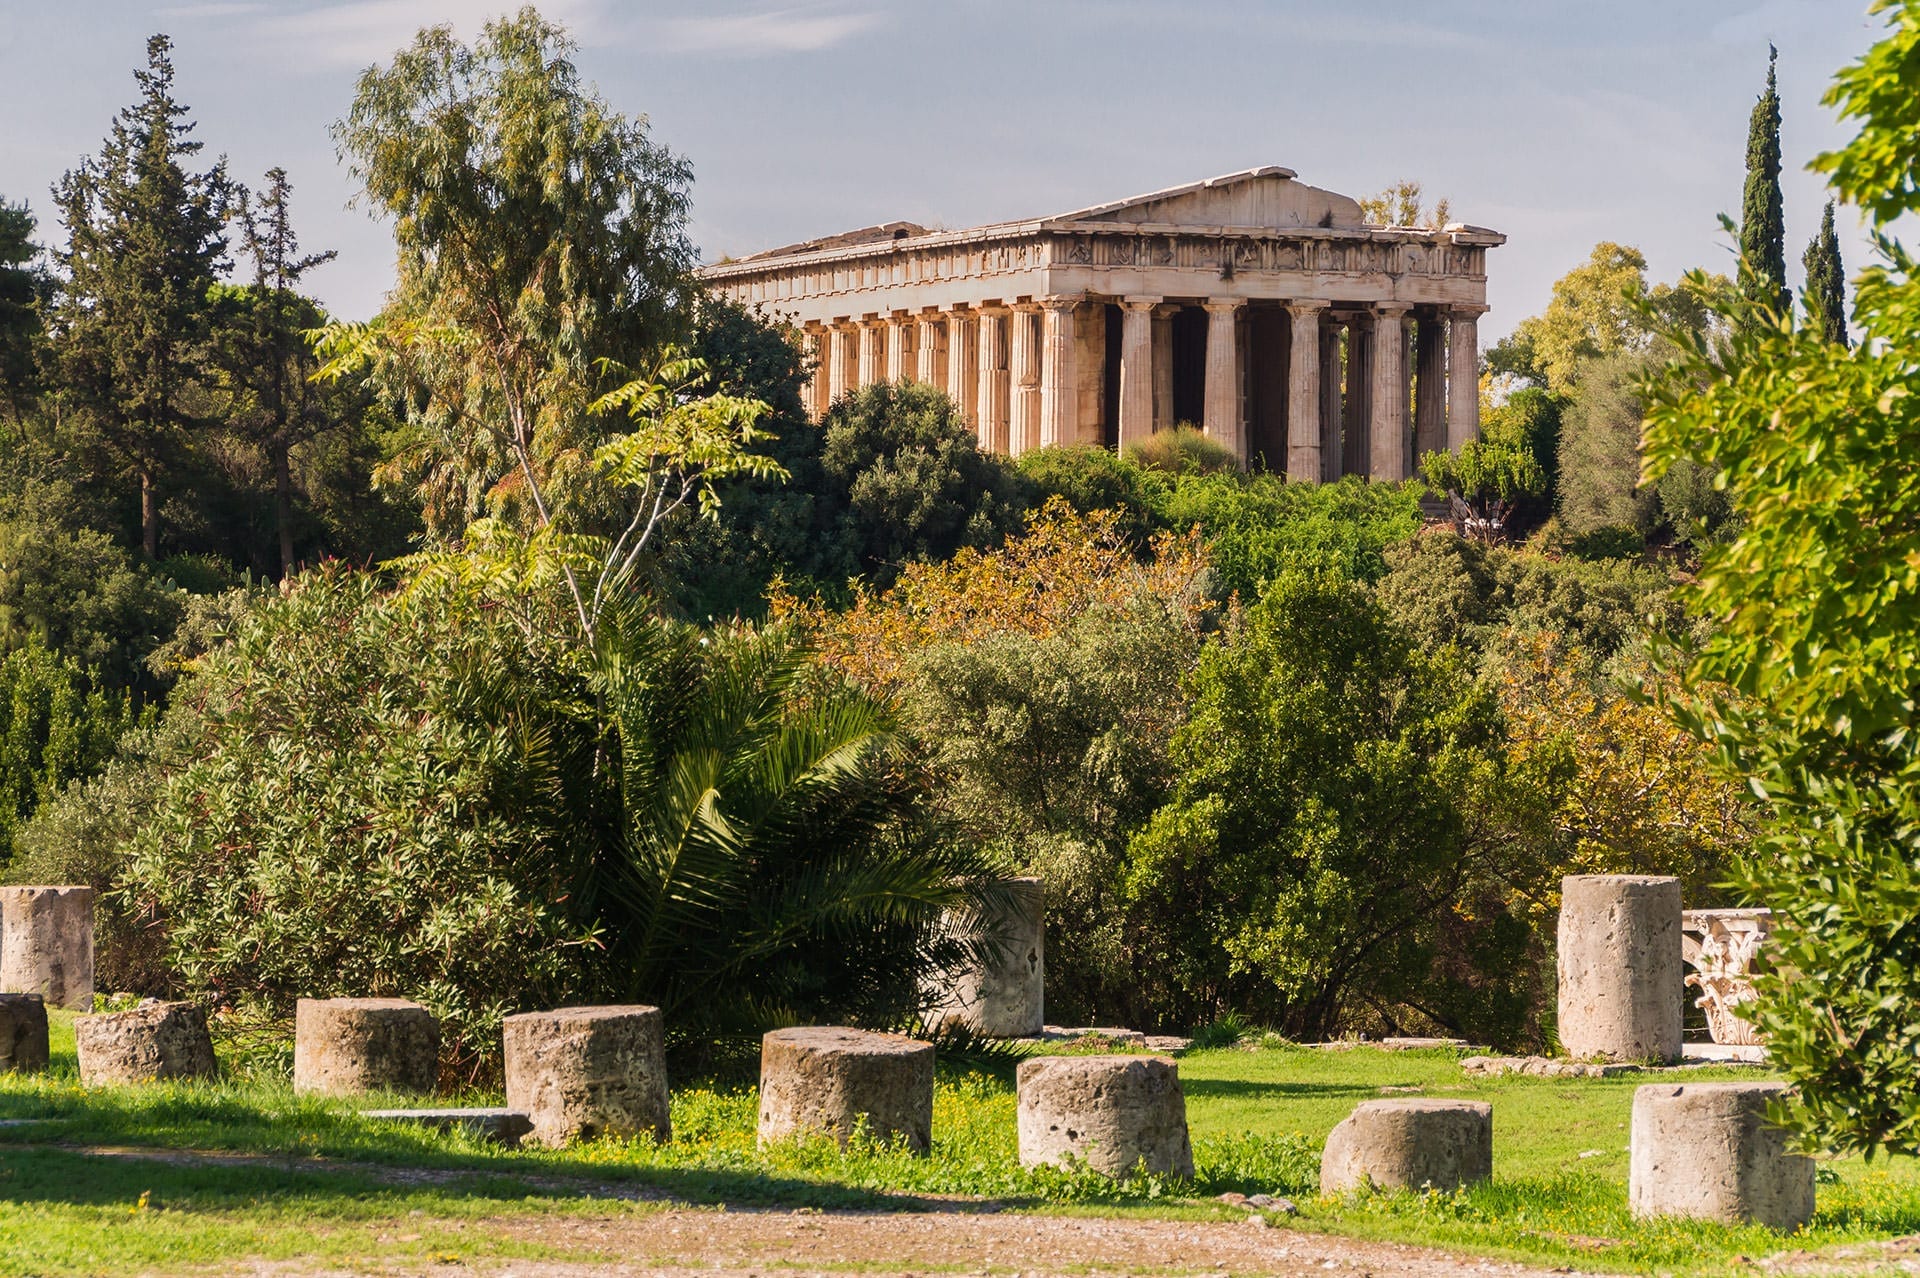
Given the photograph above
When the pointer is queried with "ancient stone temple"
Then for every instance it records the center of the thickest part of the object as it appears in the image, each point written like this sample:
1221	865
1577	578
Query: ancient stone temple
1264	310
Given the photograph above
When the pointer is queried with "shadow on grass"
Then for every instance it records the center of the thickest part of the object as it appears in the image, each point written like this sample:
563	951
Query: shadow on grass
1245	1089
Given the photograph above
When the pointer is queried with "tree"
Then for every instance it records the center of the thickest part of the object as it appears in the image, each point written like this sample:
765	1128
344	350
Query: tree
1763	233
144	246
542	259
278	403
1825	294
1399	205
1808	683
1600	481
1486	481
23	289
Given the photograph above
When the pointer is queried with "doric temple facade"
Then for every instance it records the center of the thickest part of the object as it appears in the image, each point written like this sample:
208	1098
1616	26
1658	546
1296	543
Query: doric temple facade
1265	311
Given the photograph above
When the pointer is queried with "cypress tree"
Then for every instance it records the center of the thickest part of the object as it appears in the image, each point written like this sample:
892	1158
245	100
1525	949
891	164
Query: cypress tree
144	245
1826	291
1763	232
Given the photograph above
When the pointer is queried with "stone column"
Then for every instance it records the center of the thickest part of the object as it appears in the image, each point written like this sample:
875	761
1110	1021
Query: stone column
1163	369
1622	989
1303	391
898	370
1387	432
963	376
1356	456
931	367
46	943
1463	375
1222	412
1330	398
1059	391
1025	430
873	350
822	384
1430	388
845	368
994	398
1136	370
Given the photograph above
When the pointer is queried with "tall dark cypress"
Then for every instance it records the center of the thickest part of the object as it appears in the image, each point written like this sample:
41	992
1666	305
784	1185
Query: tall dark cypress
144	245
1825	295
1763	232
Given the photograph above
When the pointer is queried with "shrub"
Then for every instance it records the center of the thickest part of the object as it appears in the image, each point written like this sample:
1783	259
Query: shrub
1091	478
54	728
1183	450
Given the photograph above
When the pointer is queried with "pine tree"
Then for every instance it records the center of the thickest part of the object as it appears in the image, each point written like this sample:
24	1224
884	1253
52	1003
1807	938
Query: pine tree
1825	295
144	246
1763	234
22	289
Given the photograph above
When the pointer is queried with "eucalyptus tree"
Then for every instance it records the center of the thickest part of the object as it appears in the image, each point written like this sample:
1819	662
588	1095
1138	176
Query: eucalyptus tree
542	251
145	243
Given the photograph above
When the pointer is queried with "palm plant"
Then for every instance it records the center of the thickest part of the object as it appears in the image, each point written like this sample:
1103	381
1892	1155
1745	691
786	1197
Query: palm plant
769	858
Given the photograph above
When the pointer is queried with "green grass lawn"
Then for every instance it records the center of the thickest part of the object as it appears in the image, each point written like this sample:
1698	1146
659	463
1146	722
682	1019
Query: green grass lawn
1258	1119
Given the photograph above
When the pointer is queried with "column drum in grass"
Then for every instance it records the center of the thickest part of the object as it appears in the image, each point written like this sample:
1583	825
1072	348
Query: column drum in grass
582	1072
153	1042
46	944
829	1081
349	1046
1004	994
1409	1144
1708	1151
1622	985
1113	1112
23	1033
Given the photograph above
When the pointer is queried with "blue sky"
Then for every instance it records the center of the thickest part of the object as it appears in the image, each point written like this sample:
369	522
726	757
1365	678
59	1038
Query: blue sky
1558	122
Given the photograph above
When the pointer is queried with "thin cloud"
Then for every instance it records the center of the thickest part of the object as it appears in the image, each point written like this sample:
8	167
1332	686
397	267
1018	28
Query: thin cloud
192	12
361	32
767	32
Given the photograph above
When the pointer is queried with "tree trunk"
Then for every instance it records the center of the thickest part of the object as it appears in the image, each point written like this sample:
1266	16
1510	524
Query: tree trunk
149	515
283	506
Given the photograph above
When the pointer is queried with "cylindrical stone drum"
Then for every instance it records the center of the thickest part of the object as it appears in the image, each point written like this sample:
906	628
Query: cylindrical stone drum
149	1043
350	1046
23	1033
1409	1144
1112	1112
824	1081
582	1072
1622	986
46	944
1003	996
1706	1150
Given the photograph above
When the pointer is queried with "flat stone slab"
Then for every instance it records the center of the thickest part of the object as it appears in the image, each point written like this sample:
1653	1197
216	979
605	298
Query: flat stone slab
1114	1033
1399	1045
501	1126
1725	1053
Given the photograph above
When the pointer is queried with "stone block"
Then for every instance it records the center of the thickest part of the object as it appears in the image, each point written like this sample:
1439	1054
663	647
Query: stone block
501	1126
1622	986
1706	1150
149	1043
823	1080
1003	996
23	1033
582	1072
1112	1112
1409	1144
349	1046
46	944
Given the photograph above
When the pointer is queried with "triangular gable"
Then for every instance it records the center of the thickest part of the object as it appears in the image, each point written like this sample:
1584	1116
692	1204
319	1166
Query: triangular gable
1267	197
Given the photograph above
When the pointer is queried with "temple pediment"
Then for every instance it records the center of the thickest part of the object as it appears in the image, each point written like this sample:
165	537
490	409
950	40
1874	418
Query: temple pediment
1267	197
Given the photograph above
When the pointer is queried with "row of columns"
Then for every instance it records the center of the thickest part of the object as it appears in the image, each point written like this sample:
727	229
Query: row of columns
1011	369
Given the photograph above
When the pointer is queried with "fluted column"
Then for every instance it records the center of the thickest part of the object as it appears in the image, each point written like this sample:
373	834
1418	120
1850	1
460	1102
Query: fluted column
873	350
898	326
1136	369
1303	391
1430	387
1463	375
1330	399
963	377
1059	397
1387	434
845	364
820	345
1025	341
1163	369
931	366
995	392
1355	451
1222	413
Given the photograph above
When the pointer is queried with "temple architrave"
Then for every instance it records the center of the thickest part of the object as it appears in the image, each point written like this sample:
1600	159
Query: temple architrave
1265	311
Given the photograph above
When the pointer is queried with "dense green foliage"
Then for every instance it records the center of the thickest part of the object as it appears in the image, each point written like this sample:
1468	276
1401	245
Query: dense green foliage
1259	527
1808	681
1763	231
1825	293
54	728
23	287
